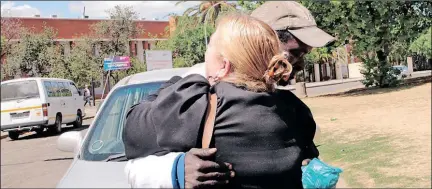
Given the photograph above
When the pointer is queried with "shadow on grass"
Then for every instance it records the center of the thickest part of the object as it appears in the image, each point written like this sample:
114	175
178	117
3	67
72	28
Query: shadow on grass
406	84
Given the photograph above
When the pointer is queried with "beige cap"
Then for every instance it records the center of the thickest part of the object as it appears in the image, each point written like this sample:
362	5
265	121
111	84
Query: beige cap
294	17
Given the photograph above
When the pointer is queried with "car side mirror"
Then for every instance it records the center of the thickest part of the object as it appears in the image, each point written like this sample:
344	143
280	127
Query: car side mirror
69	141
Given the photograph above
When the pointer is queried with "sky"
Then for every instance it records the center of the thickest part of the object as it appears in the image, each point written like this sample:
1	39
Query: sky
94	9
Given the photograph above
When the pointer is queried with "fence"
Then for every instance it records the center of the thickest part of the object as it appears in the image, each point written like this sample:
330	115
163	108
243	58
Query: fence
421	63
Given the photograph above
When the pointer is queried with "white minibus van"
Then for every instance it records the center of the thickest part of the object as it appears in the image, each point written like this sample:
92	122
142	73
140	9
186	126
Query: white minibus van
33	104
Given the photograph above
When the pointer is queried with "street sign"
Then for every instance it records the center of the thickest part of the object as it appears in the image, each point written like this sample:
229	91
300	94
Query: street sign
117	63
156	60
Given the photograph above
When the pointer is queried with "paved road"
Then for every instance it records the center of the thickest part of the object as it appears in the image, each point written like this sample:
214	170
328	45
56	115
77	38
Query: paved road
34	161
336	88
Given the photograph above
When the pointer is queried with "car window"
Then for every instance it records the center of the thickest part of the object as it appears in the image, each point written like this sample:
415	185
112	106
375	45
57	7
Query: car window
19	90
66	90
48	89
55	89
105	136
73	88
61	88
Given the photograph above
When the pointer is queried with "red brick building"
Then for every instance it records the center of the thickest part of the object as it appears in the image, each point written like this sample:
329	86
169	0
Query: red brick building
70	30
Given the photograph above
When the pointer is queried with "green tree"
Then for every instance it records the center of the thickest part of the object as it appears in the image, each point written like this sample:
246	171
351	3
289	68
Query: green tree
187	42
422	45
2	69
319	55
116	34
374	28
208	11
80	65
34	55
10	30
398	53
249	6
3	40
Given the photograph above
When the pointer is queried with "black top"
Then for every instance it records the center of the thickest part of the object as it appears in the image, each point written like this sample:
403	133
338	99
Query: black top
264	135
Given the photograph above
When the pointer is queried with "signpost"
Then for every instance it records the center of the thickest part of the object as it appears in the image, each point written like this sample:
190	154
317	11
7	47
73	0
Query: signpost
158	59
115	63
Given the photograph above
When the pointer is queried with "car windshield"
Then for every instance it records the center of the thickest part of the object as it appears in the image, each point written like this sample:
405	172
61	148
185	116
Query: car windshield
19	90
401	68
105	136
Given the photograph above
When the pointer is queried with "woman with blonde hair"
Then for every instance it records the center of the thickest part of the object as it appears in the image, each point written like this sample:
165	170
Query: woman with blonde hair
263	132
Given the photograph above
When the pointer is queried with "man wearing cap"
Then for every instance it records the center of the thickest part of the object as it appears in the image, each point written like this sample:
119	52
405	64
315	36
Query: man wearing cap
298	33
296	28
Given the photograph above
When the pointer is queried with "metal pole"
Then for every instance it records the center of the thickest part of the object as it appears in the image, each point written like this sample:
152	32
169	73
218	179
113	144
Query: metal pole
93	91
103	91
109	81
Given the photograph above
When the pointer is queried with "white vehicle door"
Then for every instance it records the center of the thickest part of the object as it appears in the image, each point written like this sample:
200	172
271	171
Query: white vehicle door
53	99
77	98
69	114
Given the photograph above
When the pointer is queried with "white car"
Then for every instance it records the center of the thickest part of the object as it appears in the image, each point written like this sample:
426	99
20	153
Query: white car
29	104
403	71
99	160
99	155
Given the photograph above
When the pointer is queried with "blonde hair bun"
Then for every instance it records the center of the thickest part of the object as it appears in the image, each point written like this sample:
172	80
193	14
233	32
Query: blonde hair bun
253	50
278	68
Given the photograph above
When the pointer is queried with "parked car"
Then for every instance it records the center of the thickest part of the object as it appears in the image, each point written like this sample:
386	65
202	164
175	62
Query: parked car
33	104
99	159
99	155
403	71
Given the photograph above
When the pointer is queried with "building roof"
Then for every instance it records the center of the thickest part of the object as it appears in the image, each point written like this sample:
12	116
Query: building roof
68	28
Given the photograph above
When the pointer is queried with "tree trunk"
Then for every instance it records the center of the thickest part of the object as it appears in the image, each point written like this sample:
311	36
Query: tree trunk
382	57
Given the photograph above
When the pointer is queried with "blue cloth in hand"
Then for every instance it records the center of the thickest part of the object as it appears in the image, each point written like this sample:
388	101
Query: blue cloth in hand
317	174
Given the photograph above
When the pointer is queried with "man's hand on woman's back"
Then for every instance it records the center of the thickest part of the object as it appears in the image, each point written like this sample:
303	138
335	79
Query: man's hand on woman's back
202	172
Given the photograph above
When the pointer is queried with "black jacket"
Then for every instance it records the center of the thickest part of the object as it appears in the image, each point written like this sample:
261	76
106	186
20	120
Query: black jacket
264	135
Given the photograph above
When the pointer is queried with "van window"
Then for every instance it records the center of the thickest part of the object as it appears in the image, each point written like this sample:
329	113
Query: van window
61	89
49	89
55	89
66	90
19	90
73	88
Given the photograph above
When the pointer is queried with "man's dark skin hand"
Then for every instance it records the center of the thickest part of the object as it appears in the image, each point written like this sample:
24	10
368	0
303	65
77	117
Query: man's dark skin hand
202	172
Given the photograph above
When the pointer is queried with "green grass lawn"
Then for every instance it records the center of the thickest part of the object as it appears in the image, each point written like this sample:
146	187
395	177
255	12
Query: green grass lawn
363	161
381	138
